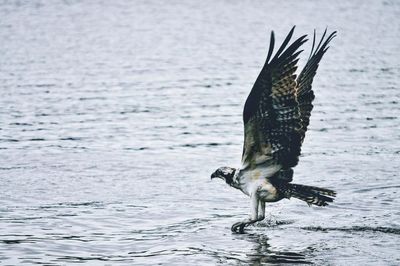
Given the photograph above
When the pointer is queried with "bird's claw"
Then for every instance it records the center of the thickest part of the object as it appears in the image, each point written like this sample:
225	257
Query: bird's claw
239	226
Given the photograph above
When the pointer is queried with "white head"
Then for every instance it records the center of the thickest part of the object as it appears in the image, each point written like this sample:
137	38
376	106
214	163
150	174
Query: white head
225	173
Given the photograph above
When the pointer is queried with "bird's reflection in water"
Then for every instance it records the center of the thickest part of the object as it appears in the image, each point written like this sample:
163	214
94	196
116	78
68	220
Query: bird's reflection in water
263	253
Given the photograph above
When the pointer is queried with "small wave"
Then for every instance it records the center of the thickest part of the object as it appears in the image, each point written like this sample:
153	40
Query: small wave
357	70
20	124
17	167
268	256
135	111
71	138
91	98
375	188
45	85
15	241
9	140
42	114
274	223
280	257
72	204
381	229
388	117
210	144
137	149
80	259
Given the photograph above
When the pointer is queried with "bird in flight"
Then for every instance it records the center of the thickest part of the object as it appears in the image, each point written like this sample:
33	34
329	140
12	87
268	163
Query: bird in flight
276	116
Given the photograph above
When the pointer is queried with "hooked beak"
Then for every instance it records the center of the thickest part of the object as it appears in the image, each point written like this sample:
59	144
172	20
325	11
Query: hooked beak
213	175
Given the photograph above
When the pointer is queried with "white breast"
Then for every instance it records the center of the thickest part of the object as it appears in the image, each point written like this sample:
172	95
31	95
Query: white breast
252	180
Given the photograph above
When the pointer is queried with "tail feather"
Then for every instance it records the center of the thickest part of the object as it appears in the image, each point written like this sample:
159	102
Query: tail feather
311	195
321	191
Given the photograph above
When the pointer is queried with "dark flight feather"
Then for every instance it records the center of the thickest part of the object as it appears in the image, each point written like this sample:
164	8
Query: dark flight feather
277	110
271	115
305	94
271	47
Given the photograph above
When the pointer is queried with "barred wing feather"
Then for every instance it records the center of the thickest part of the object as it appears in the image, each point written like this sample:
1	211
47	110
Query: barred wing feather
271	113
305	94
278	109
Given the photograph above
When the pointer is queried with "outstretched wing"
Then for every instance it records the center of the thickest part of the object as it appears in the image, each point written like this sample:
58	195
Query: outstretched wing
305	94
271	113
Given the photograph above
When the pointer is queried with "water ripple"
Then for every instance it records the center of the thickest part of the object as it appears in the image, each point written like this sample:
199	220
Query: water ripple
113	116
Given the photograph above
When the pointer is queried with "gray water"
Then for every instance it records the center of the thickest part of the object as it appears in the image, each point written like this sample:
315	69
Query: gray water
115	113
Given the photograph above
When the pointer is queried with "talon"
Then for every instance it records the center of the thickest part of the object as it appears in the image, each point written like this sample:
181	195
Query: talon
235	226
241	228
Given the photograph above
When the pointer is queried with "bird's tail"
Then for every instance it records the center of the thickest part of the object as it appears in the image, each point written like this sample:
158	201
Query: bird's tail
311	195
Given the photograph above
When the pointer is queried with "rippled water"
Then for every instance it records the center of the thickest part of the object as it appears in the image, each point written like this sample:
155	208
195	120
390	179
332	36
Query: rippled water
114	114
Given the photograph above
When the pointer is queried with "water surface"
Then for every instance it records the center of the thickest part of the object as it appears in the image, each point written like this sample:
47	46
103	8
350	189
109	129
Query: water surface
114	114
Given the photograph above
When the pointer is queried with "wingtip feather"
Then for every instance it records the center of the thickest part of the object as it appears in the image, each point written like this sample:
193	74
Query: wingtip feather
271	46
313	45
285	42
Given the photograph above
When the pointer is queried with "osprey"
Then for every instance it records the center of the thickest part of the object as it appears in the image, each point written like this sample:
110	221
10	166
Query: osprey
276	115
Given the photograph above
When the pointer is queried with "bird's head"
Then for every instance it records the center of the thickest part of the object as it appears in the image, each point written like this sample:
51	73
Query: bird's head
225	173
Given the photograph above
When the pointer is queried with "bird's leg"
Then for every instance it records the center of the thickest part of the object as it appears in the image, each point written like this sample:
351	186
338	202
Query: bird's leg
261	210
239	226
